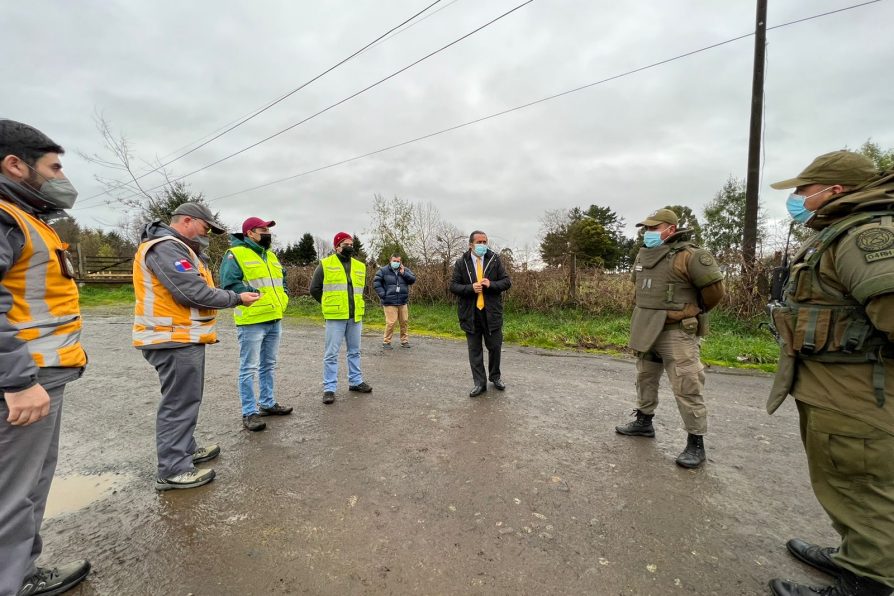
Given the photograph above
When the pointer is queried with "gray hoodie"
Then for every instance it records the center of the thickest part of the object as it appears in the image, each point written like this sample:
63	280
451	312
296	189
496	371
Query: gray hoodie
187	287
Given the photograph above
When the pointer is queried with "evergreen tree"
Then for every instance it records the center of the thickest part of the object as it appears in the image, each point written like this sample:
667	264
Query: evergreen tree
305	250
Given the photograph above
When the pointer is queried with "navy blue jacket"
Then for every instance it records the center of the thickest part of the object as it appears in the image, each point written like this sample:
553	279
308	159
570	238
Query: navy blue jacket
392	287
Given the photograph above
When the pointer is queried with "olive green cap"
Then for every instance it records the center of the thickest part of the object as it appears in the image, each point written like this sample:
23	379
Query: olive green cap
659	217
838	167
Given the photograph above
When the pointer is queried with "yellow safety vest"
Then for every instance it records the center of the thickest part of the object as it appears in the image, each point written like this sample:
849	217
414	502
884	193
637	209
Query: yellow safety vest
267	278
45	307
335	288
158	318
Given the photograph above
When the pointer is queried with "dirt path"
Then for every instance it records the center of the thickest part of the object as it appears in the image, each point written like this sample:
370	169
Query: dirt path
417	489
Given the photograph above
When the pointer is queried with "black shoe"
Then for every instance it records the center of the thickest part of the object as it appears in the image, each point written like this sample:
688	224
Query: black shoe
815	556
56	580
694	454
276	410
499	385
252	423
328	397
361	388
477	390
387	346
405	345
641	427
848	584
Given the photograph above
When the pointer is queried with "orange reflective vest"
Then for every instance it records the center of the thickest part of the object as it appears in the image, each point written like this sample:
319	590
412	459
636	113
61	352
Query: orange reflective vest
45	306
158	318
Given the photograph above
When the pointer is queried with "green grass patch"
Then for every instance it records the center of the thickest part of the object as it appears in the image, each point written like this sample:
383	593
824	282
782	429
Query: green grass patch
731	342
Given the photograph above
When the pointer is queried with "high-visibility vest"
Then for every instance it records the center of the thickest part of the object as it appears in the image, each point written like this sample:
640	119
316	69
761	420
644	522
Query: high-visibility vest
45	307
267	278
157	317
335	288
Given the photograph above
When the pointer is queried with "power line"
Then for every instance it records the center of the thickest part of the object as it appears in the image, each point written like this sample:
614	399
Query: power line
236	124
535	102
338	103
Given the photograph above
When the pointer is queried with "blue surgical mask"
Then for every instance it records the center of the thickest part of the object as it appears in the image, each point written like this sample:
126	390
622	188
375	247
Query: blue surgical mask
795	206
395	264
652	238
481	249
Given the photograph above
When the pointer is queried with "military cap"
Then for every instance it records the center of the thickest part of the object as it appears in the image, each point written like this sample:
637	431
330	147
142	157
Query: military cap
659	217
202	212
838	167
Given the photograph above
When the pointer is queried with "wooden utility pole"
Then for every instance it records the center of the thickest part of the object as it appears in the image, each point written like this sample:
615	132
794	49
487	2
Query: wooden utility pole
749	236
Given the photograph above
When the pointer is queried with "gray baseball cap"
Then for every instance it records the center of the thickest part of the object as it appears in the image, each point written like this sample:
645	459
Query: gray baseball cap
200	212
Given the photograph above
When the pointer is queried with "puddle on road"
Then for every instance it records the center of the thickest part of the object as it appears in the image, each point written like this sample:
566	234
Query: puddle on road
71	493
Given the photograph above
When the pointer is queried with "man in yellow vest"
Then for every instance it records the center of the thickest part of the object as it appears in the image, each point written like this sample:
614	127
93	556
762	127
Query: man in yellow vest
40	352
337	284
250	266
176	306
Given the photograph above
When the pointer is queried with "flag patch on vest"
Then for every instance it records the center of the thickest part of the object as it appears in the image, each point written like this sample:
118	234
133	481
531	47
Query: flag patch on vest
183	265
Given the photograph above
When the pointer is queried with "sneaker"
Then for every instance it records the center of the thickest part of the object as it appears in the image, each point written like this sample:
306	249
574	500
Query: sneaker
55	580
361	388
276	410
328	397
387	346
185	480
252	423
405	345
206	453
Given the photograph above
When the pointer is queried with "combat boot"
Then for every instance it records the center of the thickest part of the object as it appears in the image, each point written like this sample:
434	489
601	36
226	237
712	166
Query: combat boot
848	585
694	454
641	427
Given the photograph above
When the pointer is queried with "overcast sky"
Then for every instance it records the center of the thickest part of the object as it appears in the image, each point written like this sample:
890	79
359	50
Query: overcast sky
168	73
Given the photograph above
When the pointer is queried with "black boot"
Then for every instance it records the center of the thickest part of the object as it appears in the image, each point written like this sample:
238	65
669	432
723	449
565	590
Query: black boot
848	585
641	427
694	454
813	555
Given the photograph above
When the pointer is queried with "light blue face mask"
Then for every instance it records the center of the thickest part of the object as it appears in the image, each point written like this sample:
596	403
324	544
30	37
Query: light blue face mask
481	249
795	206
652	238
395	264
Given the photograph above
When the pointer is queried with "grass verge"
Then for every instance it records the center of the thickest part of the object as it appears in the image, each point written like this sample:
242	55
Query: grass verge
732	343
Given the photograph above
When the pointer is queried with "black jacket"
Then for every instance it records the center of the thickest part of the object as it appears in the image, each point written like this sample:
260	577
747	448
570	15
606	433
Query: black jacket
461	285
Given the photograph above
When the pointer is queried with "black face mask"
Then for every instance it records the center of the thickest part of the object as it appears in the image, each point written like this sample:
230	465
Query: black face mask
265	240
347	250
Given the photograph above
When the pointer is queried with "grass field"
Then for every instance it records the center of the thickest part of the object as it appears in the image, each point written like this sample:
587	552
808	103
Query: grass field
733	343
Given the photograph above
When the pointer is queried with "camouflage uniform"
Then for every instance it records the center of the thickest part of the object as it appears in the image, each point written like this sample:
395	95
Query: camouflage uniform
836	325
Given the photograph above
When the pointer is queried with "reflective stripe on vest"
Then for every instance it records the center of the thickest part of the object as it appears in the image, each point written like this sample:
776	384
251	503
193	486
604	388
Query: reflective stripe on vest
158	318
45	307
267	278
335	288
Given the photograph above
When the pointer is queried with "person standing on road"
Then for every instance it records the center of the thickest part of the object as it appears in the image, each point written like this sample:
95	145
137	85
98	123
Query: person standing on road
40	352
835	323
337	284
392	283
676	284
479	280
174	316
250	266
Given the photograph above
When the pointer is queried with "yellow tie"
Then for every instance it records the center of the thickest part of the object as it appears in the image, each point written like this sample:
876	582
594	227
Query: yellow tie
480	303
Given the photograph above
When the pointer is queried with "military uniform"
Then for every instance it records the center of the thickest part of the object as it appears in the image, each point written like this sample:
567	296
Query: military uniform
836	326
676	283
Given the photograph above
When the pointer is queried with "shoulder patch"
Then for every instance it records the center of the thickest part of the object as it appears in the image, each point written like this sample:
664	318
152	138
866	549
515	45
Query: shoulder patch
183	265
706	259
875	239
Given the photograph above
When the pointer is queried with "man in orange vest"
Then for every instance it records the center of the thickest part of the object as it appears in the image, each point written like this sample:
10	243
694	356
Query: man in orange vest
40	352
176	306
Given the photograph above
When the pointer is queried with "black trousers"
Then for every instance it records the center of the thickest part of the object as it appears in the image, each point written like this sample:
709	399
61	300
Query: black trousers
493	341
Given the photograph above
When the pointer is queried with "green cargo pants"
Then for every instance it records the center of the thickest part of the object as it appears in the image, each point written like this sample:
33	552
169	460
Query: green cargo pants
852	472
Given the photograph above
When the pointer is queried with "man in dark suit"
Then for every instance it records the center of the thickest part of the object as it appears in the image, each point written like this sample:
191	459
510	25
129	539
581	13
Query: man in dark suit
479	280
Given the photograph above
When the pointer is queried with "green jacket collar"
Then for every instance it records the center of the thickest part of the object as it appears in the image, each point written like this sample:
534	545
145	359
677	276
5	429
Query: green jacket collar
238	239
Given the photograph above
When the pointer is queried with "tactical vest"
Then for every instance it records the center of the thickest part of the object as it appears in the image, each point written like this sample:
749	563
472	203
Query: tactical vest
818	322
45	308
658	285
335	288
265	275
158	318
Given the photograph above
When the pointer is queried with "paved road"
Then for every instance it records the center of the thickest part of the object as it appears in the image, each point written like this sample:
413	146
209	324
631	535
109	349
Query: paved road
417	489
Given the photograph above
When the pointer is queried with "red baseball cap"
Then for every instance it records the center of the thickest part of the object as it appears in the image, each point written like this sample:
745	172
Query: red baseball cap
340	237
256	222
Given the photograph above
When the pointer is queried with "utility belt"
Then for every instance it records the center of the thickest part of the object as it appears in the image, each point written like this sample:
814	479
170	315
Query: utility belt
690	325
